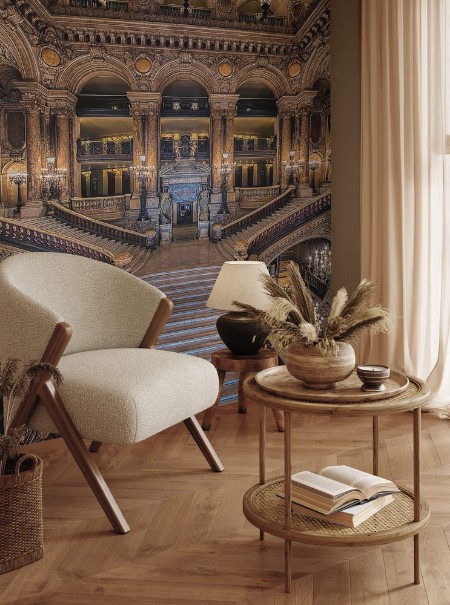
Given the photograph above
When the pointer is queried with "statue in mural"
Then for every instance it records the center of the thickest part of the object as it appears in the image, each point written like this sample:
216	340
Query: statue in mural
203	205
328	168
192	148
165	217
177	146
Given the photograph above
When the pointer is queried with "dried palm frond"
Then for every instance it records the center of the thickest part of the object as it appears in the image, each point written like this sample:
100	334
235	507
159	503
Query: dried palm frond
280	340
337	305
360	298
309	333
292	317
18	383
272	289
283	309
252	311
38	369
10	445
375	319
300	293
8	376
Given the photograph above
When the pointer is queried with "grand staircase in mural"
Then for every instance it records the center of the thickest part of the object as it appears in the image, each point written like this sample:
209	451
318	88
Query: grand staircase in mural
51	224
191	327
226	246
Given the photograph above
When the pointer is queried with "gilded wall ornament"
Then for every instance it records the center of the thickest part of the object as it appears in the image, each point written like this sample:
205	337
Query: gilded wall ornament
294	69
225	69
50	56
143	65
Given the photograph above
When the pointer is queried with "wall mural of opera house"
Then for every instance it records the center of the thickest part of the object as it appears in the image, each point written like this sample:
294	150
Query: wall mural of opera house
166	137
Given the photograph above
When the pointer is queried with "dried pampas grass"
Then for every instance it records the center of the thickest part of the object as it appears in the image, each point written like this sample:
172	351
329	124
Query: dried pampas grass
292	317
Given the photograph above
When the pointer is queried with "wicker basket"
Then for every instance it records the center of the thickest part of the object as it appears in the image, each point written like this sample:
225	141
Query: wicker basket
21	523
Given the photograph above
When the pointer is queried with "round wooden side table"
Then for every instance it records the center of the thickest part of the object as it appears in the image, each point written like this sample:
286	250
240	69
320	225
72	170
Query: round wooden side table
225	361
402	518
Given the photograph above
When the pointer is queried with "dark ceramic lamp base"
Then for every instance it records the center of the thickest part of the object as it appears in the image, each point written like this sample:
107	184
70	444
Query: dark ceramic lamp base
242	334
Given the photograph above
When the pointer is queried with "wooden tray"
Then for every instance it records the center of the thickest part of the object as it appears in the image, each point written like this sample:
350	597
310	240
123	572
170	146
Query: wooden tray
279	381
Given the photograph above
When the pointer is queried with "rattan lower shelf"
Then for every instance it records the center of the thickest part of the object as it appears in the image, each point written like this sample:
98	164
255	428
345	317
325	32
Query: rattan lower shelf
402	518
265	510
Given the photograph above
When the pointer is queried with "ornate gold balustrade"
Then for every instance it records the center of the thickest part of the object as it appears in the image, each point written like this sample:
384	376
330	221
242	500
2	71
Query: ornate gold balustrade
15	231
98	227
108	207
260	213
245	194
312	219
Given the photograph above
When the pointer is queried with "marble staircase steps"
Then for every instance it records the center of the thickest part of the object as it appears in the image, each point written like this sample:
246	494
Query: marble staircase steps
53	225
226	245
184	232
191	327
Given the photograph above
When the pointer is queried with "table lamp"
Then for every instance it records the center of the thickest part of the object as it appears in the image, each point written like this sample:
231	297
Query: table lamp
240	281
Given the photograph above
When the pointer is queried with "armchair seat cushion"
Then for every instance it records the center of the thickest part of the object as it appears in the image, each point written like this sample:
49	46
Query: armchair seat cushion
126	395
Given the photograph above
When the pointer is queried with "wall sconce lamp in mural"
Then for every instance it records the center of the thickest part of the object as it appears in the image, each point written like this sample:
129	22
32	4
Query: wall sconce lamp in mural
292	168
141	173
18	178
225	170
52	178
314	165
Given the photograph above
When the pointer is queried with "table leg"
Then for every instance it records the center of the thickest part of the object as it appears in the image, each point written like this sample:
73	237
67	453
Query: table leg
287	565
279	419
287	496
262	445
262	452
375	445
417	489
207	417
242	407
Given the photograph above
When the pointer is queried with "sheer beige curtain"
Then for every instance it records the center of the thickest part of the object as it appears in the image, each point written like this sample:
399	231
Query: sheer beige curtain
405	217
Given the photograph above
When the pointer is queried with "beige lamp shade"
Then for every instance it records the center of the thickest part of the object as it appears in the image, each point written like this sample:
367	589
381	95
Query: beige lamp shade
241	281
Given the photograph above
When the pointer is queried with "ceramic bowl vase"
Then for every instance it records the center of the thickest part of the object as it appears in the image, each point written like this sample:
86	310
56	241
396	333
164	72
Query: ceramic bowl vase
317	371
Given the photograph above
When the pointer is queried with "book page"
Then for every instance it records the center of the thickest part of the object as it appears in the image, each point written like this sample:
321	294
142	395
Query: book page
365	482
321	484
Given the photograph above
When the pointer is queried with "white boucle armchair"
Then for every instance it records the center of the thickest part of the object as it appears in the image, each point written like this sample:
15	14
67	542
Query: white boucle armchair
98	325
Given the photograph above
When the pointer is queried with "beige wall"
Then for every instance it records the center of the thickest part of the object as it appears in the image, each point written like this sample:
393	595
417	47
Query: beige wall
346	132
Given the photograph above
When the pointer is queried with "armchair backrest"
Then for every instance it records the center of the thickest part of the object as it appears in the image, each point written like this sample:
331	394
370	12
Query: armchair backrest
106	306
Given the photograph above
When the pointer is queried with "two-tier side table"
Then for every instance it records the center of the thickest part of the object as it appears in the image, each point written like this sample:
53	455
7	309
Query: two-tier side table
402	518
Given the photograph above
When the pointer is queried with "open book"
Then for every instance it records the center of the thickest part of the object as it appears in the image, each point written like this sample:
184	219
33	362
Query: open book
351	516
335	487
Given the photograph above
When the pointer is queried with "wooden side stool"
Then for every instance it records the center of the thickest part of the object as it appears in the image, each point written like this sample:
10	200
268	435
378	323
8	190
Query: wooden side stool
225	361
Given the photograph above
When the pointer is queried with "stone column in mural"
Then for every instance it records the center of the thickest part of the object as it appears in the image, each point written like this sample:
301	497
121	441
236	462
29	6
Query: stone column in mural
76	134
222	111
63	112
32	102
46	147
305	189
138	113
230	114
216	154
305	100
153	103
286	145
286	110
327	170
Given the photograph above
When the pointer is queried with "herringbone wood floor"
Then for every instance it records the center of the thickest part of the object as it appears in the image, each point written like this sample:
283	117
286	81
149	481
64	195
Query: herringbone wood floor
190	543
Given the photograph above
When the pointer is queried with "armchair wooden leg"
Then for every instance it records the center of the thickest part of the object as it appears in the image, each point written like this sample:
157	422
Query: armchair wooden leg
95	446
204	444
74	442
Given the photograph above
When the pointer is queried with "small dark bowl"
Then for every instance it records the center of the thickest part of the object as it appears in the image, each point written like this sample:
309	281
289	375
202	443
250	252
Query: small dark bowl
373	376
